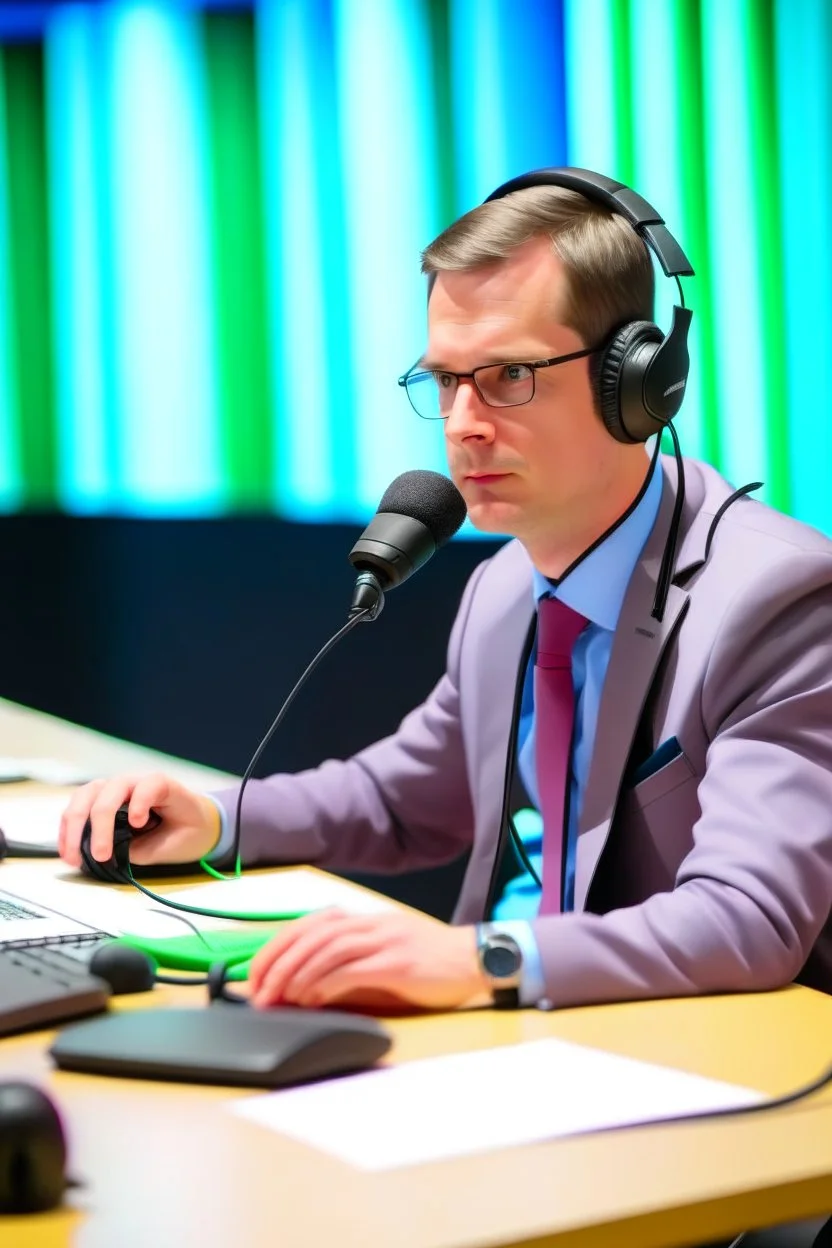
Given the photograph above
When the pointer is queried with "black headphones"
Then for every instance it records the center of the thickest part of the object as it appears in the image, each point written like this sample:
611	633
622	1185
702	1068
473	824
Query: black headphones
640	373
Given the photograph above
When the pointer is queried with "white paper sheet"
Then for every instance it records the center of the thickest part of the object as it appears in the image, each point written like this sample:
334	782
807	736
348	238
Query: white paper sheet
33	820
296	888
119	912
43	770
111	910
444	1107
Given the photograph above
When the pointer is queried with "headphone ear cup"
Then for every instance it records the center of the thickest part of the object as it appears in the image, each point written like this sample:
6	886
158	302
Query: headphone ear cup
618	375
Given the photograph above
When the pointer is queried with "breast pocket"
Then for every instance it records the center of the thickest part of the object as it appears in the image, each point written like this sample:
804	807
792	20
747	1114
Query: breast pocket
663	781
652	833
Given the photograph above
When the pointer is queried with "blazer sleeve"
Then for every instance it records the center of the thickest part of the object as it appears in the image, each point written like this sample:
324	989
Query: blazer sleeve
401	804
755	891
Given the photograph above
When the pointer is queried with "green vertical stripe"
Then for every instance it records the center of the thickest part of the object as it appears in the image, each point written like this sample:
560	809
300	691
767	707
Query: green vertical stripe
694	195
237	227
622	119
444	171
765	166
28	257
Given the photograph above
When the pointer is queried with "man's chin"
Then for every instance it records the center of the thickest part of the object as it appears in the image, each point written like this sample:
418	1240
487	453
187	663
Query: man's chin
493	517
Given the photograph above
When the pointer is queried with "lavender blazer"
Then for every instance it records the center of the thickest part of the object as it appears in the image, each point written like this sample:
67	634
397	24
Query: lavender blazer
714	874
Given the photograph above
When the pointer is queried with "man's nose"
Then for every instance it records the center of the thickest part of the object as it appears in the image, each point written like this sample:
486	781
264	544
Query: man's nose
469	416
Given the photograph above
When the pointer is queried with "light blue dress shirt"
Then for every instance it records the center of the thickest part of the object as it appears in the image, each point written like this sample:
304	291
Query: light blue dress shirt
595	587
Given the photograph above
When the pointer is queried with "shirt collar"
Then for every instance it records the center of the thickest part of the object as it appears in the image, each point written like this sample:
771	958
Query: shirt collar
596	584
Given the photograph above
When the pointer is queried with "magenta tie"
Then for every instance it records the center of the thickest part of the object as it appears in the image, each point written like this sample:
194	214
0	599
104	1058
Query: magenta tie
558	628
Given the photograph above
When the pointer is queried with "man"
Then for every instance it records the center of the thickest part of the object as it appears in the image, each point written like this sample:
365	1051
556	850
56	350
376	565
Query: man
689	848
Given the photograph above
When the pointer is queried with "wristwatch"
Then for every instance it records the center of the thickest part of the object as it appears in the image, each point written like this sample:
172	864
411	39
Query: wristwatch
501	961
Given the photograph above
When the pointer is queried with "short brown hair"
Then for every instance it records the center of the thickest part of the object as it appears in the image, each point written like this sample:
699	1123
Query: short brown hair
608	267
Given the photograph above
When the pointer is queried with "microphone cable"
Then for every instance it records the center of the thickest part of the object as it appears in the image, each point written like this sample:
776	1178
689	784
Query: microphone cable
121	853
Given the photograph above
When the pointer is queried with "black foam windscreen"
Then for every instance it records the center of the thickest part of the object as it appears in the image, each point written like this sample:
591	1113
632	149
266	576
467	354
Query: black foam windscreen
429	498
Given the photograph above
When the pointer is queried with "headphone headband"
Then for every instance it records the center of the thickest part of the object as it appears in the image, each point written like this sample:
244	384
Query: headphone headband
640	374
618	198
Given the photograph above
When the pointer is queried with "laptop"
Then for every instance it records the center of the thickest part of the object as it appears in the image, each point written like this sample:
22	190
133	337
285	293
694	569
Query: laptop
23	921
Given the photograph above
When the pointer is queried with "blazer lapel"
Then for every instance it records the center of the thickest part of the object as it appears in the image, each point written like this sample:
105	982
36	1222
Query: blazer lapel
638	645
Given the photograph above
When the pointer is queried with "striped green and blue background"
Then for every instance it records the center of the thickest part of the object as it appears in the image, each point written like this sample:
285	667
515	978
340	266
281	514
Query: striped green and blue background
211	215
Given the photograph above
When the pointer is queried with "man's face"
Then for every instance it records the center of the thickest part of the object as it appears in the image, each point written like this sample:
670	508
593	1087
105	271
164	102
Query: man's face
529	471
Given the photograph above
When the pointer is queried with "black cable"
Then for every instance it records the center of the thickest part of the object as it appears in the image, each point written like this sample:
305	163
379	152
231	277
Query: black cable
185	981
774	1102
681	291
322	653
218	972
510	767
669	555
740	493
121	853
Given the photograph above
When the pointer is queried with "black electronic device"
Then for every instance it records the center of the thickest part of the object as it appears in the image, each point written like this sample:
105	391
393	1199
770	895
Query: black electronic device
40	986
123	834
2	844
32	1150
123	967
223	1044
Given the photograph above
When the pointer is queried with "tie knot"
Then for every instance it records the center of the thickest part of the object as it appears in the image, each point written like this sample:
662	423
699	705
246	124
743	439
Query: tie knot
558	628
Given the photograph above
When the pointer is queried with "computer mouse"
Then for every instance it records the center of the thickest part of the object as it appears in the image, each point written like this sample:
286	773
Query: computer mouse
32	1150
124	968
111	871
3	845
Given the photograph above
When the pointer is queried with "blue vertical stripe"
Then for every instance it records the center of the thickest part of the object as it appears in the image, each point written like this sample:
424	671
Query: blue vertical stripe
733	242
305	247
86	419
164	354
590	75
509	91
390	197
659	153
12	489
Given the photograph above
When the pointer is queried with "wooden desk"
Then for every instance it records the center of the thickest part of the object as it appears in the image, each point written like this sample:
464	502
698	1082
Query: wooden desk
162	1162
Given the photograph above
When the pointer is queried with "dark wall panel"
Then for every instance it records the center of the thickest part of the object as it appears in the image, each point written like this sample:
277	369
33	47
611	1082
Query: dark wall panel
187	635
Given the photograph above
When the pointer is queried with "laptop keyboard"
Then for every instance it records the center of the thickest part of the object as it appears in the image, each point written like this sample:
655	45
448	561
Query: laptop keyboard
46	983
10	908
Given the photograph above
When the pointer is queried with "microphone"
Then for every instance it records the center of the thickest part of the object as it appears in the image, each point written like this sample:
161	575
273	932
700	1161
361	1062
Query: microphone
419	512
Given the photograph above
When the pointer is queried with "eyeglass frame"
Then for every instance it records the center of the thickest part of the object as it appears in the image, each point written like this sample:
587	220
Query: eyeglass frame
534	365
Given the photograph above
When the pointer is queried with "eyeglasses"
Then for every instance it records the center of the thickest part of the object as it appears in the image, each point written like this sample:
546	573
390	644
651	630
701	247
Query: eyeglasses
432	392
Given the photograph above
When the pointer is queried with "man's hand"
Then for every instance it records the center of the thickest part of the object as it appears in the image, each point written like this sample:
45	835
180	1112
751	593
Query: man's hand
376	961
190	826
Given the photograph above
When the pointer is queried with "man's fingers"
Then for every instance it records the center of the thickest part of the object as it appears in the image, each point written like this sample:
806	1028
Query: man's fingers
334	952
370	982
98	802
102	816
281	941
285	953
73	819
286	963
149	791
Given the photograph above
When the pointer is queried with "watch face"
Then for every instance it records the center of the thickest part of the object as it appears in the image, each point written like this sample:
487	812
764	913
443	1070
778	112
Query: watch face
501	961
